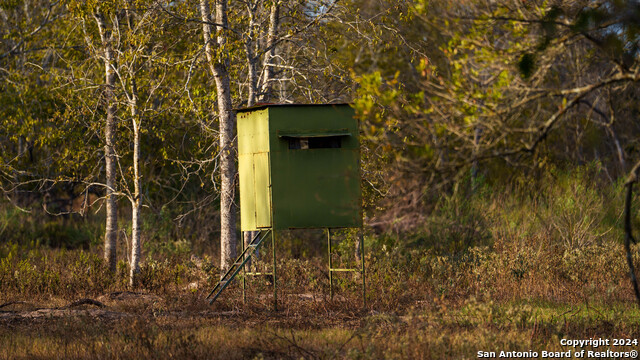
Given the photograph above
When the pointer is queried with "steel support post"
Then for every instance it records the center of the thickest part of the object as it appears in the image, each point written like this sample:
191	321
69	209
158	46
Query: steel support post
330	264
244	273
275	281
364	287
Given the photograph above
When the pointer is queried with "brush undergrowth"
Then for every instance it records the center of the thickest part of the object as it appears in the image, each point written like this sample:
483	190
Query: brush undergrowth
507	269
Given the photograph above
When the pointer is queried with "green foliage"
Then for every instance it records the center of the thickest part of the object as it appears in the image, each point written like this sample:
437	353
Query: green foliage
164	247
482	94
576	209
155	275
32	271
480	234
38	229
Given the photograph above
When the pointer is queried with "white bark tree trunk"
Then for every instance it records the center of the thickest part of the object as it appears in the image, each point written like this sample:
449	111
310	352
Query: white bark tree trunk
274	21
252	59
137	182
219	63
111	228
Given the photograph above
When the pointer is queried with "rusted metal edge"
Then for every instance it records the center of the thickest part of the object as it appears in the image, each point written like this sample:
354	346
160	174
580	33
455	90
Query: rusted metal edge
264	106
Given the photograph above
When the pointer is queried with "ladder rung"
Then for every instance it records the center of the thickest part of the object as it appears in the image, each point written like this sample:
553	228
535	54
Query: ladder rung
241	260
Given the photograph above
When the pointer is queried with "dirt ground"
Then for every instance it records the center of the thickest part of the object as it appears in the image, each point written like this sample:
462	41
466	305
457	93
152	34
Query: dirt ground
134	325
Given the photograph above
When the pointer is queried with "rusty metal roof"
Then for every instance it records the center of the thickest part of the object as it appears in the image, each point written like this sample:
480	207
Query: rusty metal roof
260	106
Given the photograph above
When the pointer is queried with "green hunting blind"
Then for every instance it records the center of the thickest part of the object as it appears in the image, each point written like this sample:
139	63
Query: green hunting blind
299	167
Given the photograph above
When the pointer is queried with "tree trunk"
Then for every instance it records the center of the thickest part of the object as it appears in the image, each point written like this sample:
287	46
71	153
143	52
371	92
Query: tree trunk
252	59
136	201
248	236
619	150
111	229
628	232
218	64
274	20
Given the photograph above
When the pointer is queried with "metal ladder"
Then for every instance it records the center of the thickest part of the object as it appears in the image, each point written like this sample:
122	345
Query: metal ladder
238	264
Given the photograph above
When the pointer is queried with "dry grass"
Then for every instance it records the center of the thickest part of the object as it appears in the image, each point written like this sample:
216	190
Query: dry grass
487	273
432	332
425	306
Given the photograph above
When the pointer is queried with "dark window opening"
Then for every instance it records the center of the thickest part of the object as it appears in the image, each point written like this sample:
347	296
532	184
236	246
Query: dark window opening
324	142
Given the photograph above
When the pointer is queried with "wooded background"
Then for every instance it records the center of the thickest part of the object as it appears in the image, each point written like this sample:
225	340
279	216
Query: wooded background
117	128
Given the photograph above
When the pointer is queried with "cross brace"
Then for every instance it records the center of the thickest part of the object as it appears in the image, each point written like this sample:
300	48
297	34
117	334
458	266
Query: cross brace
238	264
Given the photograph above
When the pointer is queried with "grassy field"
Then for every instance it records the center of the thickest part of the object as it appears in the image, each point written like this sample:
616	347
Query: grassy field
326	331
437	308
487	273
